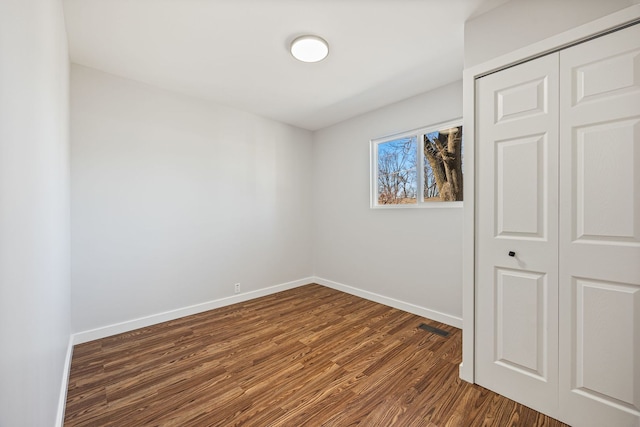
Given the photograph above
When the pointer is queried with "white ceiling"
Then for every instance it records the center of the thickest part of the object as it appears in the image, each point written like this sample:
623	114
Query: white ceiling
235	52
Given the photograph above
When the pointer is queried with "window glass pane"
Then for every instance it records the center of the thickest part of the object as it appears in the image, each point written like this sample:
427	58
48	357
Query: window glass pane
442	152
397	171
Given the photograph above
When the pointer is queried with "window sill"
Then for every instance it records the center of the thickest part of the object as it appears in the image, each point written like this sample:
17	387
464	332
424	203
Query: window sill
427	205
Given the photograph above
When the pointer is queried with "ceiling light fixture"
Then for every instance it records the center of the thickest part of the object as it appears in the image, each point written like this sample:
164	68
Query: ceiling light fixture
309	48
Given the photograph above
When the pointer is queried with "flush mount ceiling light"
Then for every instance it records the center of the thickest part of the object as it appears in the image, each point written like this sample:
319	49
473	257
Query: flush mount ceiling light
309	48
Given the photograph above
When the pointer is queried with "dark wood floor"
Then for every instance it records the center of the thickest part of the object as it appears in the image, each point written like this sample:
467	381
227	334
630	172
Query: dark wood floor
309	356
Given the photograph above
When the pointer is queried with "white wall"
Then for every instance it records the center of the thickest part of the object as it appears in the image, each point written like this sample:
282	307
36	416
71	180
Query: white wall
34	211
174	200
520	23
410	255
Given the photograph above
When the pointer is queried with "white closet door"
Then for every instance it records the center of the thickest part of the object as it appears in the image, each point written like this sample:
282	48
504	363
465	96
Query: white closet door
600	231
517	184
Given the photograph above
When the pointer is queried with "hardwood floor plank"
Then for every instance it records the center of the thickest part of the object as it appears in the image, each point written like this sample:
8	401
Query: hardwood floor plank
307	356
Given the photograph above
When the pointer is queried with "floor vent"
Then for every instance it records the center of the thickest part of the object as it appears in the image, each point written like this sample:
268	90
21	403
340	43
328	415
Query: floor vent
433	330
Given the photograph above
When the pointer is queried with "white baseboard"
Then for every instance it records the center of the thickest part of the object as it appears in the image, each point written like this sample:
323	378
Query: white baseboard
130	325
391	302
142	322
62	399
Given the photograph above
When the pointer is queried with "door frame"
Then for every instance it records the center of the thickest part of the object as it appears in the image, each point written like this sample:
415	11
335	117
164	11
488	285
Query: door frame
573	36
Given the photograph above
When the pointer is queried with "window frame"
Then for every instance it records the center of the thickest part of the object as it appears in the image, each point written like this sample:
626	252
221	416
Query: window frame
418	133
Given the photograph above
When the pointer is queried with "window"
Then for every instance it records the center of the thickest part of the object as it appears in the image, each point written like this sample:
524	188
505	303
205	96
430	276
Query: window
419	168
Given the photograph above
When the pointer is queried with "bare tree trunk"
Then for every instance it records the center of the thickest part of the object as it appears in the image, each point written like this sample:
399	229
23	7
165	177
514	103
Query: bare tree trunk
435	161
453	165
444	155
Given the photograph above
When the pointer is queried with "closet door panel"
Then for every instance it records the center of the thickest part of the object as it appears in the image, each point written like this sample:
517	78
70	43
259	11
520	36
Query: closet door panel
599	282
517	241
604	156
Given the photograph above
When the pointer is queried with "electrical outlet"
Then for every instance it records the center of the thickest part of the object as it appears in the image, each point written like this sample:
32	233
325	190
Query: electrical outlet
236	288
